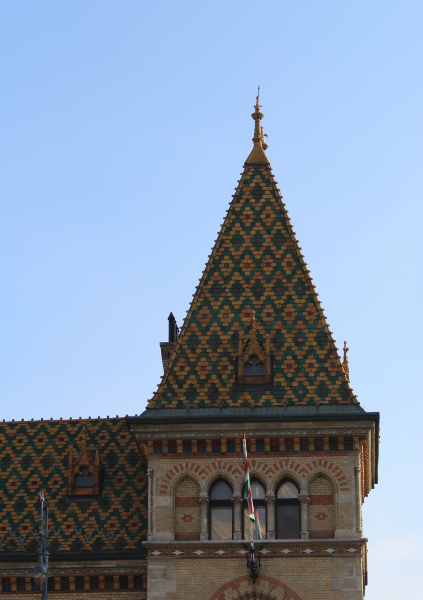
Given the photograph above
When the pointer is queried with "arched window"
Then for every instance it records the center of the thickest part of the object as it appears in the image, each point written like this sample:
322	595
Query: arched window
254	368
287	512
259	500
220	511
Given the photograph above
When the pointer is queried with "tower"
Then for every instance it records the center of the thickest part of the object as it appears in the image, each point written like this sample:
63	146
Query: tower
154	507
255	355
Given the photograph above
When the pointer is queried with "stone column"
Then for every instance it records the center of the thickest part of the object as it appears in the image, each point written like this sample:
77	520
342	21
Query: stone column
357	472
204	517
304	500
270	509
150	475
237	502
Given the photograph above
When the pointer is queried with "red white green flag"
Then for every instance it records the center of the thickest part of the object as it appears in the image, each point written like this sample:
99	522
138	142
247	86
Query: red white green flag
248	486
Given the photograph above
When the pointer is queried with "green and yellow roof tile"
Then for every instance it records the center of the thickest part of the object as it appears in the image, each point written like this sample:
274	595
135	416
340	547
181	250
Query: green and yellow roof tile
255	265
34	457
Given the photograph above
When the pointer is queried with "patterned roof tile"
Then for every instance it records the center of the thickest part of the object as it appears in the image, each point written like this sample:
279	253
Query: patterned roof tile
255	265
34	457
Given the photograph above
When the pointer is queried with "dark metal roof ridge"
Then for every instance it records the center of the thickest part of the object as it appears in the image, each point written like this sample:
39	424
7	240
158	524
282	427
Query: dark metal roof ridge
230	415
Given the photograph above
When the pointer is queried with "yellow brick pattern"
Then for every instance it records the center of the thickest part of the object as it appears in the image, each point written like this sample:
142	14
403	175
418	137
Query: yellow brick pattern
321	485
187	510
321	509
309	578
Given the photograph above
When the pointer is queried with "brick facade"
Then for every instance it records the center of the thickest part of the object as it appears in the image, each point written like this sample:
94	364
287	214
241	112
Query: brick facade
321	511
187	510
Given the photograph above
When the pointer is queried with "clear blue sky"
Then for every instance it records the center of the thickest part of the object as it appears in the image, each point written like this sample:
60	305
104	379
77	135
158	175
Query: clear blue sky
124	127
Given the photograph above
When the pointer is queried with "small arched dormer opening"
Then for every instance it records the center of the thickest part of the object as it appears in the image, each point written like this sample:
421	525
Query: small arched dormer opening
254	362
85	474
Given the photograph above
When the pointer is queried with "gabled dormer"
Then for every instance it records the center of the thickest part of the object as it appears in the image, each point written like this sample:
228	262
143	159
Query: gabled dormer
85	474
254	366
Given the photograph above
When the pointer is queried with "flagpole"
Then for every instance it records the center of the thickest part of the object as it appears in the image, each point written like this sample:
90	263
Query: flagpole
248	493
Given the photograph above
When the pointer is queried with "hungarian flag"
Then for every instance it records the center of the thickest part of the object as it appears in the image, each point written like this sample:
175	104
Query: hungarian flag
247	482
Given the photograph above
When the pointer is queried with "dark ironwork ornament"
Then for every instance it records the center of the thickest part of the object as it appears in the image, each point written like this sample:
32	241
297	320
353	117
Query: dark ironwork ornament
253	560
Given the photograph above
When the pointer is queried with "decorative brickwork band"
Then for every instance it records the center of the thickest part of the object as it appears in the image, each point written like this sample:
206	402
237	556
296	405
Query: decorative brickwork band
269	472
265	588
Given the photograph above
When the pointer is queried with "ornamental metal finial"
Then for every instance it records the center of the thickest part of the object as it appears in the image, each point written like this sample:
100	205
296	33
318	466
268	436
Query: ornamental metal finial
84	436
257	155
345	365
257	116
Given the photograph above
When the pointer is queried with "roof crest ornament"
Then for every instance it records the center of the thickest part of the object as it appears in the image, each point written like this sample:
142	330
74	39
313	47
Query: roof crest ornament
345	365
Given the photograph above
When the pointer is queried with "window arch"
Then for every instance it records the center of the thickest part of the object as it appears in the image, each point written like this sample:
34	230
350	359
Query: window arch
288	525
259	500
221	511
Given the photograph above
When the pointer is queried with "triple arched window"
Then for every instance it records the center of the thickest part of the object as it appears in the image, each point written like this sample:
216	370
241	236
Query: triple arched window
259	501
221	511
288	525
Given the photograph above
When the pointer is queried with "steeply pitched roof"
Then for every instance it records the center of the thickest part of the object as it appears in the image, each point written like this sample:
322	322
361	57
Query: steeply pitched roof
255	265
34	457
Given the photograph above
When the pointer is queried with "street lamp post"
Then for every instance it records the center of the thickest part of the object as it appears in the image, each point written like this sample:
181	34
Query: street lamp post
40	572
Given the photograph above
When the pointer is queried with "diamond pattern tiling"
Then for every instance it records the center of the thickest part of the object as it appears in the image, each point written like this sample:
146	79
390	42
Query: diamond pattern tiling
256	264
34	457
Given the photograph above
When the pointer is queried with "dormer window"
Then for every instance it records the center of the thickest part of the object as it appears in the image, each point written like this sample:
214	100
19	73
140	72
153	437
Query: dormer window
85	474
254	361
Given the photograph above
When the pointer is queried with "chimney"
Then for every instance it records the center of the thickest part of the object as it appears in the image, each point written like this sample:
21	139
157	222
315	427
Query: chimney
167	347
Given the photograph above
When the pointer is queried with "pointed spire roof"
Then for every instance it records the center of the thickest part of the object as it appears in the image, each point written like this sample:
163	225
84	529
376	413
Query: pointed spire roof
256	265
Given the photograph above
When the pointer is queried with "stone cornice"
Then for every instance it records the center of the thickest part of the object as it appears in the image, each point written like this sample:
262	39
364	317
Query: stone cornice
234	433
270	548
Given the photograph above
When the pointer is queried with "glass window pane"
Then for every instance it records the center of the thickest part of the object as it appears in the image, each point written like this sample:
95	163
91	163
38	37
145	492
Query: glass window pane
259	529
84	478
221	523
287	490
253	368
257	490
221	491
288	521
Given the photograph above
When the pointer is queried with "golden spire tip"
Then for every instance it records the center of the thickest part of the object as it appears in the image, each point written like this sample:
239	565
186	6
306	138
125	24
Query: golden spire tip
257	156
